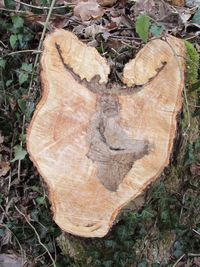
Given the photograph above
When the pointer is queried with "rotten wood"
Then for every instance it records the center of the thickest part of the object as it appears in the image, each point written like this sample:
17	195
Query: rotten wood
97	144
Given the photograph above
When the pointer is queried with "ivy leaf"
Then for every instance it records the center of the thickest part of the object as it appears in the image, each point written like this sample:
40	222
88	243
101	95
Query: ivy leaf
9	4
18	22
156	30
40	200
26	67
19	153
196	17
142	27
23	77
2	63
22	105
13	40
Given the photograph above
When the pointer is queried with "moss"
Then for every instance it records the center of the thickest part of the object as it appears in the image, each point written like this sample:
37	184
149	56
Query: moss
192	64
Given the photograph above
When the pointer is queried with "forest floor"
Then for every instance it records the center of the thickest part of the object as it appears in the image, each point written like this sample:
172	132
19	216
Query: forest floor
165	231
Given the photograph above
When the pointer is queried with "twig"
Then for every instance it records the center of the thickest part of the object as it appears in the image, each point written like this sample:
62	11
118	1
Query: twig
38	237
193	254
196	232
183	202
13	10
178	260
35	68
23	51
40	7
194	106
5	46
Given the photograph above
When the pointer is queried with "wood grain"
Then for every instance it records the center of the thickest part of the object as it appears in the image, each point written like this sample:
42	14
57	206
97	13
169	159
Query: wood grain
99	150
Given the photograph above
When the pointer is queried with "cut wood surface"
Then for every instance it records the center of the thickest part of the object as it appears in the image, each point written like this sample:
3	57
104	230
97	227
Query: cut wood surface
99	145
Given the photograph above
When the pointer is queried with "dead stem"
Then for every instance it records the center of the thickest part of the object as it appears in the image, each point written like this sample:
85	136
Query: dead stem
38	237
175	264
23	51
42	7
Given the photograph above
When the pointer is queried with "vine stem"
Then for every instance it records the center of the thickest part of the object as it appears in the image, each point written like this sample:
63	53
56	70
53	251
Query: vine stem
39	7
38	237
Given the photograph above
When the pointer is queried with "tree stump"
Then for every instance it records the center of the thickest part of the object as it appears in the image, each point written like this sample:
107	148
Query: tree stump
98	145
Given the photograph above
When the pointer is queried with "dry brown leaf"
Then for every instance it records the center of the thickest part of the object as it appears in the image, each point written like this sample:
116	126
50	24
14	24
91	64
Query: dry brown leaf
93	30
178	2
195	169
185	14
4	168
2	4
155	8
158	10
88	10
32	18
107	2
192	3
197	261
10	260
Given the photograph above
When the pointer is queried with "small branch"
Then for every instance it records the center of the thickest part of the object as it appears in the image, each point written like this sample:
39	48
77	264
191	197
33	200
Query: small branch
40	7
12	10
38	237
178	260
5	46
193	254
23	51
196	232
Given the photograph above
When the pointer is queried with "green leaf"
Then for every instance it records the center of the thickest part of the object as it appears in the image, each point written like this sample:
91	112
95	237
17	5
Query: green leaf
156	30
8	82
142	27
35	188
22	137
23	77
29	110
10	4
40	200
20	39
2	63
196	17
18	22
142	264
13	40
27	67
22	104
19	153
